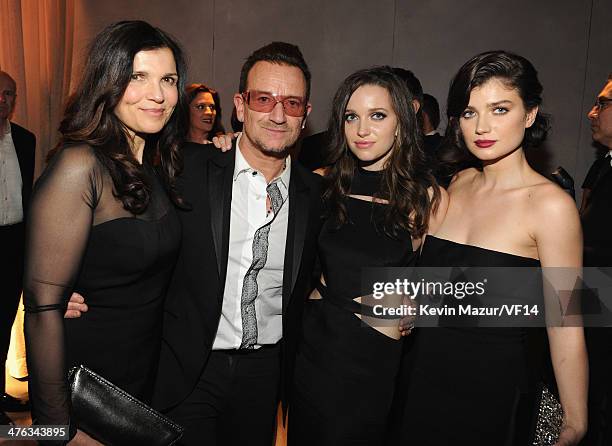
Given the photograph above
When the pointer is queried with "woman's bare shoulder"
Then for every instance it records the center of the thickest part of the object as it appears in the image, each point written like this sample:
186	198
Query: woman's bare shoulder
546	199
442	193
463	177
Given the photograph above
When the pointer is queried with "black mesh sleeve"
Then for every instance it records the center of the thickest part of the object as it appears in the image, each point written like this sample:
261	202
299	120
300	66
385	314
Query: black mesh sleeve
58	228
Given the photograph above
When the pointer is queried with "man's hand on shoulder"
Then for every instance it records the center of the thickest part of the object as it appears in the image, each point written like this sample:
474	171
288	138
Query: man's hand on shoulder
224	142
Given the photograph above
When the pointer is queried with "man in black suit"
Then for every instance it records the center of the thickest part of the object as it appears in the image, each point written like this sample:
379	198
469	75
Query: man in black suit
234	307
17	147
596	209
596	216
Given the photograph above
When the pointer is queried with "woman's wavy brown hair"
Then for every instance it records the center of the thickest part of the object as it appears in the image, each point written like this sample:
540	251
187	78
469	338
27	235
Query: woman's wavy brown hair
406	177
89	117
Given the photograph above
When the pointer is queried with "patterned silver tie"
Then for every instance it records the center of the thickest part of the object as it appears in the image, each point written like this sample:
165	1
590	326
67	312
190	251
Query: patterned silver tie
249	285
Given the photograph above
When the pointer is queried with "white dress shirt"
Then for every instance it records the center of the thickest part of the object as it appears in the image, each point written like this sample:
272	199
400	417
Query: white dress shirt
11	207
249	212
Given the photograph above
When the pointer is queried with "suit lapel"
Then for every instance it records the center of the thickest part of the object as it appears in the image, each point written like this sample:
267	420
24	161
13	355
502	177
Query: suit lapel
604	172
21	154
299	209
220	173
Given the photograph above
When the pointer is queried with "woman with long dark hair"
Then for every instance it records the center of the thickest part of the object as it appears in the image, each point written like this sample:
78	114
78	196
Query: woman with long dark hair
204	111
378	201
102	221
478	386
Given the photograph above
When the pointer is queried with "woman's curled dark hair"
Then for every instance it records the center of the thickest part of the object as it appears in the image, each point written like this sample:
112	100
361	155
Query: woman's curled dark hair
406	177
90	119
515	72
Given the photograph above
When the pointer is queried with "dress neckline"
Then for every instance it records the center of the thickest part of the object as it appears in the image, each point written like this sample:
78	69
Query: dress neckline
366	182
531	259
369	173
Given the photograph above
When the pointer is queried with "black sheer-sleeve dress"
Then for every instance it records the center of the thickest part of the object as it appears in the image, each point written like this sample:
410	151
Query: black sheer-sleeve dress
345	370
80	238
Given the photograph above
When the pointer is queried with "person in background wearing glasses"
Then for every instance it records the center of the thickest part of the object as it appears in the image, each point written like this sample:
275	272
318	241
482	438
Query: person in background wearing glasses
596	214
234	304
204	114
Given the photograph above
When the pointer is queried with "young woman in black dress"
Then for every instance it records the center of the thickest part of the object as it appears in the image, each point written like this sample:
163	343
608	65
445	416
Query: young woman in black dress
474	386
379	199
102	222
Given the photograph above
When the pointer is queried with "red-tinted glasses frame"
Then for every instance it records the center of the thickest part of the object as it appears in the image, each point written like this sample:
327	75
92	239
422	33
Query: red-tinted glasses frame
267	108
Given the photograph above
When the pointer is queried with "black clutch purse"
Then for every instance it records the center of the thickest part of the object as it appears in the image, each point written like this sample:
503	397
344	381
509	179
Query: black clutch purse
113	416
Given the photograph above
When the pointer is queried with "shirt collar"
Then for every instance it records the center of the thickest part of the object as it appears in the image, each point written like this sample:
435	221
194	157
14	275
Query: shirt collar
242	166
6	128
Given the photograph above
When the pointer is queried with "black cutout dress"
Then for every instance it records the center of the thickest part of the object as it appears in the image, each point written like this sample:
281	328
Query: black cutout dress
346	370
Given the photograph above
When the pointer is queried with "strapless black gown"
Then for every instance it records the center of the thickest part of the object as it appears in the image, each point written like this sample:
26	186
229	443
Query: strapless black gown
345	370
468	386
125	273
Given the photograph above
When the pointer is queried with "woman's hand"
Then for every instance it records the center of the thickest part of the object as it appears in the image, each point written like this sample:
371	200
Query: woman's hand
82	439
570	436
406	324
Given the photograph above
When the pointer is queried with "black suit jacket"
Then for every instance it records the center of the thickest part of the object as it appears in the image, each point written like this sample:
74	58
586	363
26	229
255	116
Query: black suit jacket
195	296
432	143
25	146
596	217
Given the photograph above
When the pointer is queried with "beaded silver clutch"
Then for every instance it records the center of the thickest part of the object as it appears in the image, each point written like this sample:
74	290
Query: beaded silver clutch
550	420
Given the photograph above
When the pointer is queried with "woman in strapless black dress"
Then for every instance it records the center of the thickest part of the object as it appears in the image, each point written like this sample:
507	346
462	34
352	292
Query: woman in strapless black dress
103	223
379	198
475	386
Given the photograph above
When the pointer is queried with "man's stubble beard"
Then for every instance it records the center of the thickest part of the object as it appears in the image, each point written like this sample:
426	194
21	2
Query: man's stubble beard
276	152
